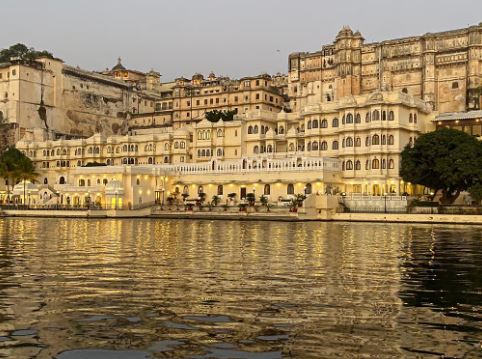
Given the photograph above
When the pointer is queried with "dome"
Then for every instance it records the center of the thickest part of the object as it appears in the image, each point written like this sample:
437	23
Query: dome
197	76
345	32
119	65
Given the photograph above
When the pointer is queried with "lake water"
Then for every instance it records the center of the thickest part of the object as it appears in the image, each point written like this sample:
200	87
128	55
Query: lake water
83	289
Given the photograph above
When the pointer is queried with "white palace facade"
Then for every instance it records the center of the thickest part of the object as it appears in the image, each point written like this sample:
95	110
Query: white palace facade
350	145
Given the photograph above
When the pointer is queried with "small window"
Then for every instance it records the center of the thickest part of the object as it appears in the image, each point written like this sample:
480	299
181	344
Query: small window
455	85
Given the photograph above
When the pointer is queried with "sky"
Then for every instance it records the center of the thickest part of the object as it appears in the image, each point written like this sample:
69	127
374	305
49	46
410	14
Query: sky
230	37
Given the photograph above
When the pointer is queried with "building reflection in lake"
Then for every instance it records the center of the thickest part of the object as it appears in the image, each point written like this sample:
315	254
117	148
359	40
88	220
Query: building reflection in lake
299	289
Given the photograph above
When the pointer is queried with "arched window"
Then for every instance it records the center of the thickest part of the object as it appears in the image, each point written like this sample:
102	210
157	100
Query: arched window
404	90
384	115
308	125
391	116
415	118
149	161
291	147
219	152
349	165
220	190
203	153
357	165
367	141
250	130
208	152
182	144
323	146
46	181
391	164
368	117
281	130
334	145
290	189
324	123
166	146
81	183
391	140
384	163
349	118
308	147
384	140
314	146
200	190
349	142
375	164
62	180
334	123
256	149
267	190
176	145
124	148
358	142
255	129
410	118
270	148
185	189
357	118
375	140
308	188
315	124
376	115
220	133
367	164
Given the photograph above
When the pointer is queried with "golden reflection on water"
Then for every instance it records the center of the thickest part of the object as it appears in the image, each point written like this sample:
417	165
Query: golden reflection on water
304	290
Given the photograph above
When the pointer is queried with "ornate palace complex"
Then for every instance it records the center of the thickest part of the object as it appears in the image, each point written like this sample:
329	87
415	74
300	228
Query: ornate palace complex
337	123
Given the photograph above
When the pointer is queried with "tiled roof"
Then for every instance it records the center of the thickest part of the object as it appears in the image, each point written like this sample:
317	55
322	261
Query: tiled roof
452	116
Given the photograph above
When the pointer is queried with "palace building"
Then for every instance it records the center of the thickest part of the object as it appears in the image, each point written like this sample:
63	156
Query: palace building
443	69
337	123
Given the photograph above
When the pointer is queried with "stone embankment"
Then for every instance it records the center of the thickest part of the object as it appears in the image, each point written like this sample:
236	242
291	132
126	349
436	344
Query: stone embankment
302	215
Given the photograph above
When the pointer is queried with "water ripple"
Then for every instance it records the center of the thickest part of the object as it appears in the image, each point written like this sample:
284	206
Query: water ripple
229	289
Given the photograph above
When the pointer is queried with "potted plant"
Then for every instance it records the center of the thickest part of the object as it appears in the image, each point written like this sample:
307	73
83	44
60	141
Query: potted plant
215	201
250	197
293	205
264	202
300	197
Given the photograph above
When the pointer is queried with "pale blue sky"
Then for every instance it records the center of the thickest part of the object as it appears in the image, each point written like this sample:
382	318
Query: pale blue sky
230	37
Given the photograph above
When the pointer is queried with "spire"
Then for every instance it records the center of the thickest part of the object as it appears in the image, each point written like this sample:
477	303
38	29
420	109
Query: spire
119	65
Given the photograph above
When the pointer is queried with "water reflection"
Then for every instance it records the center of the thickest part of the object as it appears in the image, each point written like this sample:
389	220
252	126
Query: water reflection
202	289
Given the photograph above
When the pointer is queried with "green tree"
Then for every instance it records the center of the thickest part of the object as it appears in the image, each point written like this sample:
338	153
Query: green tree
216	115
445	160
14	167
476	192
22	53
